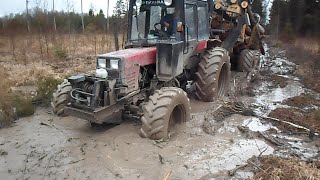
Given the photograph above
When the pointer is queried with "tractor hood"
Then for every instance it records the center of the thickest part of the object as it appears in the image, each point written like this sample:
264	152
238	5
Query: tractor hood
141	56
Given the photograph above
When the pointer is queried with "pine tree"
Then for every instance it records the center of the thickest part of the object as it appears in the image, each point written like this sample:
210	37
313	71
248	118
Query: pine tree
257	7
120	8
91	13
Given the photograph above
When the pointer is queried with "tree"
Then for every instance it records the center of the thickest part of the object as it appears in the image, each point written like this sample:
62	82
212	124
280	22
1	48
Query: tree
120	8
257	7
101	13
279	16
91	13
296	17
102	20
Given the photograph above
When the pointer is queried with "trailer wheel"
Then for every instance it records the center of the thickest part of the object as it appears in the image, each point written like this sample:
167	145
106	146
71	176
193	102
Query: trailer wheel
213	75
61	98
165	109
248	60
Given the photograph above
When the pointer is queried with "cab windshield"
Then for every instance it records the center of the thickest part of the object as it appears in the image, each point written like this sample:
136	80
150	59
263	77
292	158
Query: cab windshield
152	20
144	22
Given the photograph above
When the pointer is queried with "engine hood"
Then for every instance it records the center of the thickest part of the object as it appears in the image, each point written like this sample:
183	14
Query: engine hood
141	56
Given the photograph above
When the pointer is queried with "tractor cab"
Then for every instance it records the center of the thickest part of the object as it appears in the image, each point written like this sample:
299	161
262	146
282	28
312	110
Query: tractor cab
176	20
178	28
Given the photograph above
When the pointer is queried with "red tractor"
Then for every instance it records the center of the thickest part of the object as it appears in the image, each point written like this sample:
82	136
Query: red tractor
172	49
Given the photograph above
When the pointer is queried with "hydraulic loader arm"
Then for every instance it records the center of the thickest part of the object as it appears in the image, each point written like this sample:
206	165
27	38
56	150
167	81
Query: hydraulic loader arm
253	24
232	38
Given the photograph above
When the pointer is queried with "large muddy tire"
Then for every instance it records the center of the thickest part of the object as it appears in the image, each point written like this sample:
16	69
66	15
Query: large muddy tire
248	60
165	109
213	75
61	98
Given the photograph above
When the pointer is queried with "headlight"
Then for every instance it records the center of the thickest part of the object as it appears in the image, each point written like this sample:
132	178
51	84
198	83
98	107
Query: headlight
102	63
114	64
138	3
101	73
167	2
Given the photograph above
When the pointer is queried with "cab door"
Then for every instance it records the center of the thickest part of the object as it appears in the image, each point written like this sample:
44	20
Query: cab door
191	30
203	21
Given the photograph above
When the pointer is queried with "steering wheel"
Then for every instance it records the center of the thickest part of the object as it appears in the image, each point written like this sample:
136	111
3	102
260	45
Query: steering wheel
159	32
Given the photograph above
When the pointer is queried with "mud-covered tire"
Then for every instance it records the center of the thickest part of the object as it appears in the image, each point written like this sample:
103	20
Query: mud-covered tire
213	75
60	98
248	60
165	109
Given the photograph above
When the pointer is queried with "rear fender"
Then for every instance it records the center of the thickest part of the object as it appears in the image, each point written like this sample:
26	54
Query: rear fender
214	43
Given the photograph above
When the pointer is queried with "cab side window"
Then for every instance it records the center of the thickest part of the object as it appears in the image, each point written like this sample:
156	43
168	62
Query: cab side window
191	21
203	22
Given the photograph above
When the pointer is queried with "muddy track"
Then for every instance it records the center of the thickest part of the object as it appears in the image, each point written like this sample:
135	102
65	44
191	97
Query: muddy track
48	147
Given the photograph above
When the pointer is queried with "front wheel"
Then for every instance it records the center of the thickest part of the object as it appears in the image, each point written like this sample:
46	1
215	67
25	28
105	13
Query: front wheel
165	109
61	98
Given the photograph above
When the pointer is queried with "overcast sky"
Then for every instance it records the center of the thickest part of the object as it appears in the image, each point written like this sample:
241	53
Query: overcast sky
18	6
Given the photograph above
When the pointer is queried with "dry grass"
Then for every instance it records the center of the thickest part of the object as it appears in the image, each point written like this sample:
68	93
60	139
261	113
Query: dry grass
302	101
310	120
276	168
28	57
6	111
306	54
12	105
45	87
26	49
309	45
42	61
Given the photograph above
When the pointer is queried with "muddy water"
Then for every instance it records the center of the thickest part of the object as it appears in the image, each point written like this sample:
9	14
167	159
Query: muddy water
269	98
69	148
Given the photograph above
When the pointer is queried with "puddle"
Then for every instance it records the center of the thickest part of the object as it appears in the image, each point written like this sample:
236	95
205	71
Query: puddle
255	125
237	154
269	101
281	66
269	98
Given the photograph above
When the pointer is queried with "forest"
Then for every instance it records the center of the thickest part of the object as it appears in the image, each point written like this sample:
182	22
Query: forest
286	18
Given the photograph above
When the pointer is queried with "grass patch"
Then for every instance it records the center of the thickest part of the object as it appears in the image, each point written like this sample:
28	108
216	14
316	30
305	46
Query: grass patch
302	101
276	168
296	116
6	114
317	116
45	87
60	53
14	106
6	110
23	106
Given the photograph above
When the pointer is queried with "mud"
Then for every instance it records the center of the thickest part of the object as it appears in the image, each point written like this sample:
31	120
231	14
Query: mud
44	146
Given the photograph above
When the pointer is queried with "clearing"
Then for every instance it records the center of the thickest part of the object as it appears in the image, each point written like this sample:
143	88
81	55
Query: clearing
219	141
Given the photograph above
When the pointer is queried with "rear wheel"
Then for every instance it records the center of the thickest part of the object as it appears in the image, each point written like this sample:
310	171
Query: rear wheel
213	74
61	98
165	109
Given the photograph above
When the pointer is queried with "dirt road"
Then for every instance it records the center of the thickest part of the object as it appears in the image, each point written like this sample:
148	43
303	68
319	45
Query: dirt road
44	146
